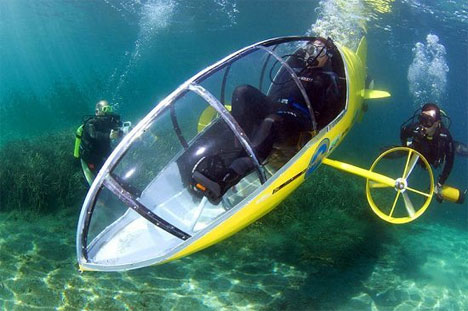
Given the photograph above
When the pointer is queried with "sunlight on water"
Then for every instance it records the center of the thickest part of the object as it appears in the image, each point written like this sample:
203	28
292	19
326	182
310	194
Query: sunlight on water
375	12
427	74
380	6
343	21
229	8
124	6
322	249
154	15
445	10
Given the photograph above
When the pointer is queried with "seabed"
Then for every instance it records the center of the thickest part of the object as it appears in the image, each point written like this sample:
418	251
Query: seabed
302	256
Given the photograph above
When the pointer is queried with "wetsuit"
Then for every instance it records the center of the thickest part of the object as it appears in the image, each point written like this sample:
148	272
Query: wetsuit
438	149
321	86
95	142
284	113
266	120
281	115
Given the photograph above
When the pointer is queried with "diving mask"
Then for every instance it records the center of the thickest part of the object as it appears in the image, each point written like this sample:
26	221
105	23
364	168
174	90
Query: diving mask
318	50
313	52
107	109
103	107
426	120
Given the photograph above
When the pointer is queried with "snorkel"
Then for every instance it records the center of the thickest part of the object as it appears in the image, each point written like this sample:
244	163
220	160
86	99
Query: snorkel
311	60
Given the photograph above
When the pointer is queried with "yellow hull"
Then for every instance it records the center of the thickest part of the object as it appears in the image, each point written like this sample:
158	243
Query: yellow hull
167	221
305	162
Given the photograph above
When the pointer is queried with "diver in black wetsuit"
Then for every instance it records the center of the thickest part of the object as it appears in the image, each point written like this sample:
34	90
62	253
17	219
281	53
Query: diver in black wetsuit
98	132
313	67
432	139
282	114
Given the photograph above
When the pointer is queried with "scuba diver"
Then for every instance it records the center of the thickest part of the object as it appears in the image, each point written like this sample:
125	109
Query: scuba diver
313	66
94	138
429	136
280	116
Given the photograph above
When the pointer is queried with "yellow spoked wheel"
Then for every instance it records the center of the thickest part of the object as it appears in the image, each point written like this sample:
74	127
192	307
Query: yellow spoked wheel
413	188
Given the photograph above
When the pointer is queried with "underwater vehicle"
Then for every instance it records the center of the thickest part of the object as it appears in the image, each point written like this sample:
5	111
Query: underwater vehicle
144	206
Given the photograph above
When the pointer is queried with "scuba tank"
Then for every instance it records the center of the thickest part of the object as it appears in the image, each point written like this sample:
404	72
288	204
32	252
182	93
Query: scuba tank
78	135
452	194
79	131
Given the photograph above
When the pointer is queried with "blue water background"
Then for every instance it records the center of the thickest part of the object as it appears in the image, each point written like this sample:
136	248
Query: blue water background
134	53
86	46
57	58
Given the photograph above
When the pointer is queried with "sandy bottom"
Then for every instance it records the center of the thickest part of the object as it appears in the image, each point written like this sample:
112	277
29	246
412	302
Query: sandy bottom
422	266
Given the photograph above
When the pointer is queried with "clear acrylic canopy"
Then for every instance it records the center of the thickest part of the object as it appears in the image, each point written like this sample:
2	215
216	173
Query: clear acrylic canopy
142	207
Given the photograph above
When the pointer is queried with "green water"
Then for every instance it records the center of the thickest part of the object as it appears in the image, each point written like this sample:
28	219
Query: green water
321	249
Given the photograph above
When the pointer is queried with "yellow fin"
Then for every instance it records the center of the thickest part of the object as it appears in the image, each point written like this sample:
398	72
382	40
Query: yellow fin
207	116
361	51
373	94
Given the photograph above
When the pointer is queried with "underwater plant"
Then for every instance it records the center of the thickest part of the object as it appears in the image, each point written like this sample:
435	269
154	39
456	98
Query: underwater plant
40	174
325	224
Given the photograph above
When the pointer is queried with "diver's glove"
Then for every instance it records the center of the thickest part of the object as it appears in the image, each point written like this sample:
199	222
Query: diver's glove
114	134
438	192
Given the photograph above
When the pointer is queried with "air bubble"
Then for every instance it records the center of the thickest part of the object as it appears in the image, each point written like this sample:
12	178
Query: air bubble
427	74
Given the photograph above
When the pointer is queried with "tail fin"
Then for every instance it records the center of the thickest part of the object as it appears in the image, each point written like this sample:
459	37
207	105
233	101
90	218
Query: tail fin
373	94
361	51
